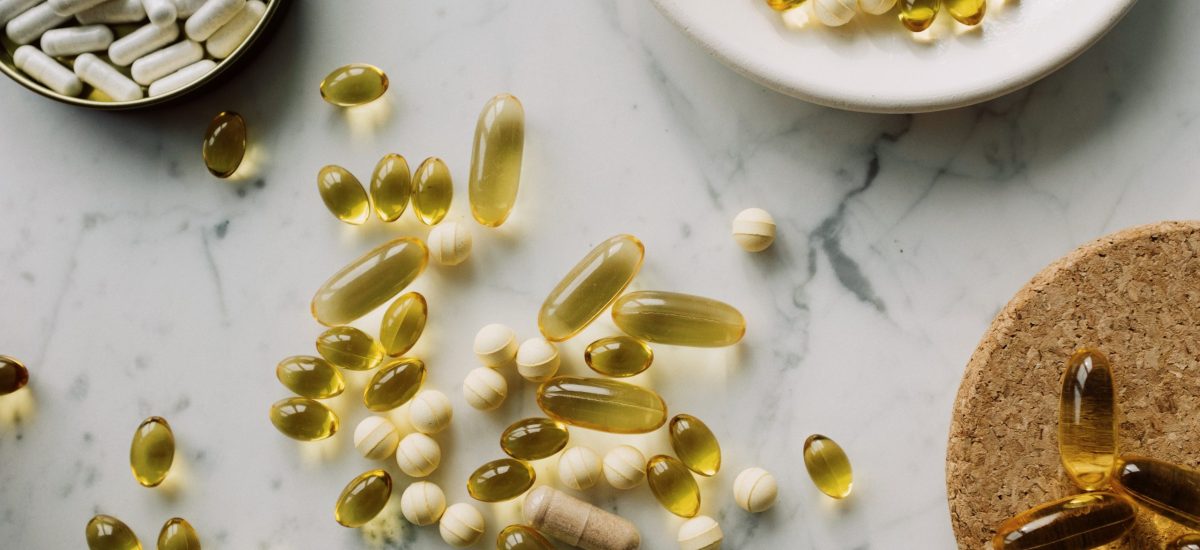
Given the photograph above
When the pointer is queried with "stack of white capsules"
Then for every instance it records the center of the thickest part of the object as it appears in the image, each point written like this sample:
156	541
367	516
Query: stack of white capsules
153	59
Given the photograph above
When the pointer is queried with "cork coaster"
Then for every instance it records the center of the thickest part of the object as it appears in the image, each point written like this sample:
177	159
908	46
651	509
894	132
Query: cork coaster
1135	295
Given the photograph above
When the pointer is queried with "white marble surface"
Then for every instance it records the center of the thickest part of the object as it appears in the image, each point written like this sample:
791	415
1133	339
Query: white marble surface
133	283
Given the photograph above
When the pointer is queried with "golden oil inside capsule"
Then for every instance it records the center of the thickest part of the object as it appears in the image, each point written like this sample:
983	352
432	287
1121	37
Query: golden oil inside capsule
178	534
1166	489
1190	541
403	323
604	405
13	375
918	15
828	466
344	196
1087	424
496	160
363	498
354	84
109	533
152	451
695	444
391	187
394	384
224	144
534	438
303	419
369	281
349	348
309	376
967	12
522	537
678	319
673	485
618	356
1076	522
784	5
590	286
501	479
433	190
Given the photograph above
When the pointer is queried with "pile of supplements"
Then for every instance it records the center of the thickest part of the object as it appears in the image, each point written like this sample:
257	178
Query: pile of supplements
915	15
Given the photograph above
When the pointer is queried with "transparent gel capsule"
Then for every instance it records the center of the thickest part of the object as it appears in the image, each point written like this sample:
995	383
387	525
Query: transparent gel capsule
309	376
522	537
363	498
601	404
500	480
1167	489
152	451
695	444
343	195
1087	425
618	356
828	466
395	384
590	287
354	84
496	160
303	419
678	319
403	323
534	438
178	534
349	348
13	375
369	281
109	533
391	187
673	485
433	191
1076	522
224	144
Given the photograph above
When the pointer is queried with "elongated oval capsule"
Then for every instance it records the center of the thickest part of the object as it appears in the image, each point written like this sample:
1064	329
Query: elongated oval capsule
1166	489
496	159
363	498
604	405
678	319
695	444
578	523
534	438
918	15
1075	522
395	384
433	191
225	144
343	195
354	84
403	323
1087	420
349	348
369	281
590	286
967	12
13	375
178	534
391	187
303	419
499	480
673	485
109	533
309	376
152	451
828	466
1190	541
618	356
521	537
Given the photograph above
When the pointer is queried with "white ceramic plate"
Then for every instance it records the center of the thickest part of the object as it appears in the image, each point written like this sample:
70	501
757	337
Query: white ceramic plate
874	64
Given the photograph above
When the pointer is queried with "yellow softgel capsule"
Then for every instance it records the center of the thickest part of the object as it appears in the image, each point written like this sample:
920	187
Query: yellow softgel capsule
590	286
534	438
1190	541
224	144
784	5
618	356
695	444
604	405
369	281
403	323
349	348
521	537
673	485
395	384
967	12
496	160
354	84
1166	489
918	15
500	480
303	419
109	533
178	534
152	451
1087	422
433	191
363	498
828	466
678	319
309	376
1076	522
13	375
391	187
343	195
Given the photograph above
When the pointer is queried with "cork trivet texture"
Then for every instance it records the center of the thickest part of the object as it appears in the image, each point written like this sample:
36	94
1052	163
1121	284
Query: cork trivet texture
1135	295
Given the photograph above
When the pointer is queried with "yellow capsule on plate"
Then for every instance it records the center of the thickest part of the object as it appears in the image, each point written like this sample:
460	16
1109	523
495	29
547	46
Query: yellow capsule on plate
534	438
1087	420
695	444
152	451
303	419
918	15
343	195
522	537
500	480
403	323
828	466
369	281
391	187
967	12
395	384
13	375
618	356
678	319
363	498
224	144
1076	522
309	376
1167	489
109	533
178	534
602	404
433	191
784	5
590	287
349	348
354	84
673	485
496	159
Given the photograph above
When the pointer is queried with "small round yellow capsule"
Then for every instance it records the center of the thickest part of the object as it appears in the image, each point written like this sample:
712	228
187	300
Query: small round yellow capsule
354	84
673	485
967	12
13	375
109	533
433	191
618	356
363	498
534	438
152	451
403	323
303	419
309	376
918	15
500	480
224	144
391	187
349	348
343	195
522	537
395	384
178	534
828	466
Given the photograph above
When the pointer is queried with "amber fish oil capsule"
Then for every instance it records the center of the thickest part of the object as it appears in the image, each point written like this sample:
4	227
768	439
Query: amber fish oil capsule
695	444
673	485
354	84
590	287
109	533
178	534
1087	422
303	419
391	187
618	356
395	384
600	404
534	438
343	195
521	537
496	159
403	323
918	15
13	375
1075	522
152	451
309	376
828	466
500	480
967	12
784	5
433	191
225	144
363	498
369	281
678	319
1168	490
349	348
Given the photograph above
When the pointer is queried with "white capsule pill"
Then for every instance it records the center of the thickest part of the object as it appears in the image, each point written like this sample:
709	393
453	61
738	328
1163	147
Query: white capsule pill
376	438
28	26
227	38
834	13
106	78
160	12
113	11
495	345
12	8
72	7
700	533
128	48
182	77
462	525
430	411
537	359
76	40
423	503
210	17
156	65
624	467
485	389
185	8
579	468
754	229
876	7
46	70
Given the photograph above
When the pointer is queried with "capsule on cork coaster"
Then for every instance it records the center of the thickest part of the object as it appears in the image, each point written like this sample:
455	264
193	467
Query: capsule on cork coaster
577	523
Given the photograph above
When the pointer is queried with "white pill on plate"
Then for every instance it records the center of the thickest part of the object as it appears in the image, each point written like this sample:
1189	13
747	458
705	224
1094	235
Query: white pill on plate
12	8
76	40
226	40
182	77
158	64
145	39
30	25
106	78
72	7
46	70
834	13
113	11
210	17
